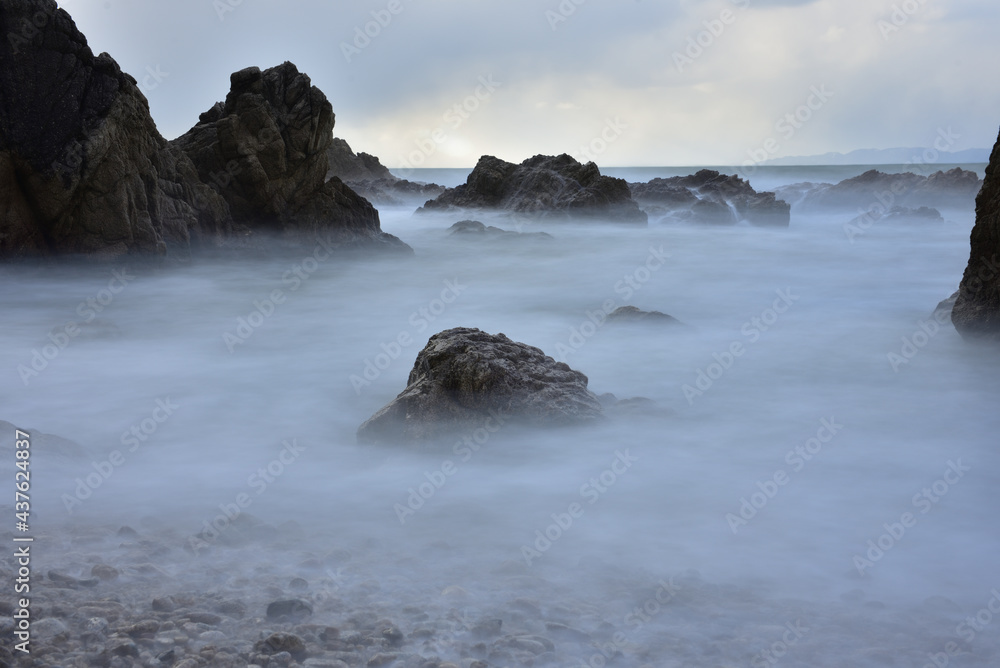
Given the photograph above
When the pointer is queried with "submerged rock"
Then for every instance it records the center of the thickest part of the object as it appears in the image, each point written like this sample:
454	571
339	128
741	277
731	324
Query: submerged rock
476	230
976	313
542	187
465	378
634	314
923	214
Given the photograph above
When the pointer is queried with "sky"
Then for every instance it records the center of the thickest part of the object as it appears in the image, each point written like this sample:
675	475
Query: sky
438	83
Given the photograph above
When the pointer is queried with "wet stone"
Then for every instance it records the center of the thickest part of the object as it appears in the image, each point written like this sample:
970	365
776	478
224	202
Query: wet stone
289	608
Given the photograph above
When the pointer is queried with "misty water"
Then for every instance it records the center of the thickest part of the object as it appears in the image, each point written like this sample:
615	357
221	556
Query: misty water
698	490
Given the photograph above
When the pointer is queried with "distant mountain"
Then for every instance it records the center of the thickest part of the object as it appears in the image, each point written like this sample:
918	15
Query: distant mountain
884	156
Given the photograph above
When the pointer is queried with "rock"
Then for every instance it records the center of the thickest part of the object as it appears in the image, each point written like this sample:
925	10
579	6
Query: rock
104	572
476	230
549	187
282	642
875	190
164	604
976	314
42	444
634	314
264	150
396	192
463	378
942	312
295	608
922	214
83	169
70	581
348	166
708	196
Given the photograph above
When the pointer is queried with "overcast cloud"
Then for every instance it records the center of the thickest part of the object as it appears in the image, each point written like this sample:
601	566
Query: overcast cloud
559	77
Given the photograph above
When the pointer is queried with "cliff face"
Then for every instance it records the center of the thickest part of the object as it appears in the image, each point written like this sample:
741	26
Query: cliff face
976	313
82	166
83	169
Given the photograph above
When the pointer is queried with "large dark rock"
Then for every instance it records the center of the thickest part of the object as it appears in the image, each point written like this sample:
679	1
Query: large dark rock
464	377
710	197
82	167
976	313
955	188
265	150
542	187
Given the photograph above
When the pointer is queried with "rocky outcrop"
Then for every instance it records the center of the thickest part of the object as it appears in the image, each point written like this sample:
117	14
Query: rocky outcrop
348	166
464	378
366	175
265	150
976	313
542	187
712	198
83	169
955	188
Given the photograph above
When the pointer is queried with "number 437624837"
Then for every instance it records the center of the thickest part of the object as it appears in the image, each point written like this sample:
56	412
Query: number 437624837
22	477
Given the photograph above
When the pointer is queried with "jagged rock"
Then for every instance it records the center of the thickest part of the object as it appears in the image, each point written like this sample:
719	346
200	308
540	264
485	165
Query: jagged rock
348	166
976	313
463	378
708	196
634	314
477	230
42	444
874	189
82	167
265	151
542	187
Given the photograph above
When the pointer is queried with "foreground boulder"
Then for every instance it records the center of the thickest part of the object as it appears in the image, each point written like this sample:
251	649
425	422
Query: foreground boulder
83	169
710	197
542	187
465	379
976	313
